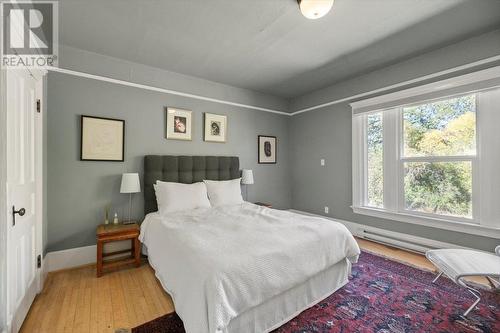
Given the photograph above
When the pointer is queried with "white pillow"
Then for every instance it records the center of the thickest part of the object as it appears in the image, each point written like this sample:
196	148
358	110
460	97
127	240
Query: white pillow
224	192
174	197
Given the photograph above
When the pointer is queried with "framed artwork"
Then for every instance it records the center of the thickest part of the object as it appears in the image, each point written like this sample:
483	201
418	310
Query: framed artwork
102	139
267	146
215	127
179	124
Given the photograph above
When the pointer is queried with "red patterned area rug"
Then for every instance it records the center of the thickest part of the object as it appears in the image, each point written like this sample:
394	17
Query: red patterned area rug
383	296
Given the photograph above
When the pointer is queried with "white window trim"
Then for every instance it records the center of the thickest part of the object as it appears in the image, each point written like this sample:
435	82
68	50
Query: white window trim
461	85
427	221
393	186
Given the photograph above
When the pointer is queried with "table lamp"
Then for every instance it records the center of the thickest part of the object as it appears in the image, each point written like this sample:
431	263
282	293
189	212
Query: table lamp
246	179
130	184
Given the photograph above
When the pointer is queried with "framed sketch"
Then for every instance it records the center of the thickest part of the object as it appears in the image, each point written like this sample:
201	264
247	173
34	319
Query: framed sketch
215	127
102	139
179	124
267	146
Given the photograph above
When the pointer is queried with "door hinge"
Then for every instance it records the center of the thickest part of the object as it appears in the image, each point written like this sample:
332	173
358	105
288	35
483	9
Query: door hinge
38	107
39	261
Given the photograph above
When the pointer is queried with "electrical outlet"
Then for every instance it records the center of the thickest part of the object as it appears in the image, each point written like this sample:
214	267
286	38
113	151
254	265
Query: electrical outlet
322	162
326	209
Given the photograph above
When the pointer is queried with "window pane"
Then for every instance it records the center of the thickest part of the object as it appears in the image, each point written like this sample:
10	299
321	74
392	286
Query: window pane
439	188
375	161
441	128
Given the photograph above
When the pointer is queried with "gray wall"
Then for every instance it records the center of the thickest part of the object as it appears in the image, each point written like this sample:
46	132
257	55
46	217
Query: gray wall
323	133
94	63
326	133
77	191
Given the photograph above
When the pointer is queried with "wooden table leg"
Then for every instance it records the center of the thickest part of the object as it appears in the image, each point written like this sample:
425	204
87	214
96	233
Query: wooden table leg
99	258
137	251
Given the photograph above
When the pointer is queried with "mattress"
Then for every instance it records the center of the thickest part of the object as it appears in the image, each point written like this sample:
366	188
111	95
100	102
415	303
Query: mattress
246	268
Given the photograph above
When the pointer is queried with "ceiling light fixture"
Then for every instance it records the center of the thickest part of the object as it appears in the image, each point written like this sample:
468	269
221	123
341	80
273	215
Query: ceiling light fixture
314	9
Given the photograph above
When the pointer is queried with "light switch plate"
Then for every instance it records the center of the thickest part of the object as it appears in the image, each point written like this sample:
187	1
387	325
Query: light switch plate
322	162
327	210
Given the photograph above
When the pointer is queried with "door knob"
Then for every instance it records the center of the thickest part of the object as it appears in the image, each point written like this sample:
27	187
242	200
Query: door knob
21	212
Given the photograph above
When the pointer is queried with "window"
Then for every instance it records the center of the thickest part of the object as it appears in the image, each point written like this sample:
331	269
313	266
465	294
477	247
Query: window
440	188
430	157
375	152
439	145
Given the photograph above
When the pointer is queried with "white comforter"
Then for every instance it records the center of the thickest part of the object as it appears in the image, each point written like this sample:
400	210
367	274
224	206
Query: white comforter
217	263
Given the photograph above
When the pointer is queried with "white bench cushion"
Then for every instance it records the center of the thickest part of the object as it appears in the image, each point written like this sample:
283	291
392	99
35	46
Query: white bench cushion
457	263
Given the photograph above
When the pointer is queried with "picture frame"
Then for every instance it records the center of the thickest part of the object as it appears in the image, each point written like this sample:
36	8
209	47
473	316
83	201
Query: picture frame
102	139
179	124
215	128
267	149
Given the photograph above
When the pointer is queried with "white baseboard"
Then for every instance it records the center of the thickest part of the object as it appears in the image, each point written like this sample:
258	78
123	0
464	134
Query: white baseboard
43	275
78	256
396	239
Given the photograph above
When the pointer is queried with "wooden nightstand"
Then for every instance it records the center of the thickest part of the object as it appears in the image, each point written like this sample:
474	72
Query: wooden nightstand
117	232
264	204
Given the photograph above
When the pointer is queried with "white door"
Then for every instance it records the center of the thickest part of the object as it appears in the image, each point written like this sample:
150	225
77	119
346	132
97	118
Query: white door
23	163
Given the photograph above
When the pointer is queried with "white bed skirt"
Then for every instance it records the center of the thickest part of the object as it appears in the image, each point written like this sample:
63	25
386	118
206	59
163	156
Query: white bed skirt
282	308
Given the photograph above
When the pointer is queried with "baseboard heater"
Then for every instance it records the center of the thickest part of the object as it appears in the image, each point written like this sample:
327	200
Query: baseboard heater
390	239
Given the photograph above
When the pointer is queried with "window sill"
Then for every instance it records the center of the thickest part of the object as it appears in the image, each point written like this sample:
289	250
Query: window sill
464	227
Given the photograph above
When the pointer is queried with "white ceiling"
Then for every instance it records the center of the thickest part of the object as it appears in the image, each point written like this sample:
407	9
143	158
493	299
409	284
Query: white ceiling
267	45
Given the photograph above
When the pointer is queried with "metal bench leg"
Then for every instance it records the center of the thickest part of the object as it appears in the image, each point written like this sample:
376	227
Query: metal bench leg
478	296
494	284
437	277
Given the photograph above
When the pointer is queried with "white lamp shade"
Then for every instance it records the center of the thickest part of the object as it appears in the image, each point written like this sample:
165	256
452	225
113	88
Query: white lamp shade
247	177
130	183
314	9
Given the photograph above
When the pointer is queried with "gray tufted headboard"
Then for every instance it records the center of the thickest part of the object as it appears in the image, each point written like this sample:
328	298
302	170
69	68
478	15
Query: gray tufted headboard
185	169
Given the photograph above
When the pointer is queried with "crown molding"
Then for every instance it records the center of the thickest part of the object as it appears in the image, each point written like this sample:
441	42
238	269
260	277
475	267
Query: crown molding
491	75
352	98
403	84
163	90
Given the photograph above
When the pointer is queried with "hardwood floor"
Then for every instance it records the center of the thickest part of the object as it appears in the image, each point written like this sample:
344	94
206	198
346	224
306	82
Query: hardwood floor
76	301
411	258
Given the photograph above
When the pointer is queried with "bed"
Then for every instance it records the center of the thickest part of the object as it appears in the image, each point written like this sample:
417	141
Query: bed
240	268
